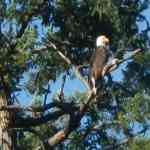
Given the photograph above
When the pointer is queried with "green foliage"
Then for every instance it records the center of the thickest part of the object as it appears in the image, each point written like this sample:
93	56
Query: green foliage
138	108
33	139
24	142
140	144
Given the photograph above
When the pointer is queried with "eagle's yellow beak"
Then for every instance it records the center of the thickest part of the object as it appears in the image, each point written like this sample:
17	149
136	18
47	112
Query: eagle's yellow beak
105	39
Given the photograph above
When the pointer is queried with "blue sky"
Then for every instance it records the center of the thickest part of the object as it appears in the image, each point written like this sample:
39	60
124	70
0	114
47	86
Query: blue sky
71	85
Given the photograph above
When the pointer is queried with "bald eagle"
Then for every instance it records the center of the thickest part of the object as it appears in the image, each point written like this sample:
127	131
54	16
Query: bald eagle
98	61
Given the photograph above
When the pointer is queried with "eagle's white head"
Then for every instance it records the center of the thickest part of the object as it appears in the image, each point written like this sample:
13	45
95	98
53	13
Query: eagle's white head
102	41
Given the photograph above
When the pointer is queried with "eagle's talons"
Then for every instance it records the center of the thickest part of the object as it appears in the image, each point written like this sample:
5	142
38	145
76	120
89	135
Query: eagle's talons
110	67
115	61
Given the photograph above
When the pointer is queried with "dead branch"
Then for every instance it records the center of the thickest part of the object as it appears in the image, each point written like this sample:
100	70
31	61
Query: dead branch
113	66
68	61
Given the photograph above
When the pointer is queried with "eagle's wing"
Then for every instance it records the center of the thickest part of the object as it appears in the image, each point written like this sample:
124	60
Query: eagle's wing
92	58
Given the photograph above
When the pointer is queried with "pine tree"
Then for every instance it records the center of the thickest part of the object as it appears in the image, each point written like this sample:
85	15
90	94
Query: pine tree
48	39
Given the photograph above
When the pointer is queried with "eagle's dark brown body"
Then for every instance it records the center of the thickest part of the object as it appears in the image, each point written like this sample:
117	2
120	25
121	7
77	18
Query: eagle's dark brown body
98	61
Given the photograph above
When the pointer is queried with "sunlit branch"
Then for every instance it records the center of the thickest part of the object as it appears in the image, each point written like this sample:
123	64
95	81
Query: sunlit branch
68	61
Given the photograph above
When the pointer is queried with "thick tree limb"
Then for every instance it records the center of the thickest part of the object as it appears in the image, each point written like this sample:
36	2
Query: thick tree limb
59	136
19	122
14	108
66	107
28	122
74	122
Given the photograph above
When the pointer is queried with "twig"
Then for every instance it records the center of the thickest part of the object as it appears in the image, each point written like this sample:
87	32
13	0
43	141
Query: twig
46	95
61	95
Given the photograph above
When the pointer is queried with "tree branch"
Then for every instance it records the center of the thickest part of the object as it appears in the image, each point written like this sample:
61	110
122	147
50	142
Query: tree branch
28	122
66	107
115	64
74	122
68	61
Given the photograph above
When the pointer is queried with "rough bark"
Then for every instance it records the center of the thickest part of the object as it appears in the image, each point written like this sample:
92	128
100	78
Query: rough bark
5	121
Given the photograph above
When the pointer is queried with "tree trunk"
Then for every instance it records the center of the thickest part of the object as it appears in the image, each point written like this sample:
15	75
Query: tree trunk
5	122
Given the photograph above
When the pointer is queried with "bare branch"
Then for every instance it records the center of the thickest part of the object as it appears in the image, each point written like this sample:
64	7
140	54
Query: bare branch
59	136
68	61
116	62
